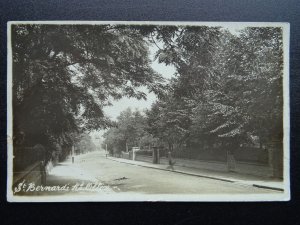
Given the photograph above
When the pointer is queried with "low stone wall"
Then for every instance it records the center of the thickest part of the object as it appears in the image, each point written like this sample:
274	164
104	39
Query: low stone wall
30	174
253	169
210	165
240	167
143	158
126	155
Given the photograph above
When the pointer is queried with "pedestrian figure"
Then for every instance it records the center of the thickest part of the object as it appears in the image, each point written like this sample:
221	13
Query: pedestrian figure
171	162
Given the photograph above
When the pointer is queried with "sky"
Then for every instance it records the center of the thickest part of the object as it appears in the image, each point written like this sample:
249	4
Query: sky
120	105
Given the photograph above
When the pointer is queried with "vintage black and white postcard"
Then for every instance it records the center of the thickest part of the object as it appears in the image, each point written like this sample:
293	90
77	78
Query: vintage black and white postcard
148	111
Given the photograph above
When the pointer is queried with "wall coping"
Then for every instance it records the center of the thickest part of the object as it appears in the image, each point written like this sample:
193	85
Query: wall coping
20	175
212	161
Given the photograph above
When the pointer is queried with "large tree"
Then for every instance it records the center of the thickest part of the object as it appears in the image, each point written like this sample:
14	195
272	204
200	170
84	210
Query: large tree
63	76
245	95
232	83
169	121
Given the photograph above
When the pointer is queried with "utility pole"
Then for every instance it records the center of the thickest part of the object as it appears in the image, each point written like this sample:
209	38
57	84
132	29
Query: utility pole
73	154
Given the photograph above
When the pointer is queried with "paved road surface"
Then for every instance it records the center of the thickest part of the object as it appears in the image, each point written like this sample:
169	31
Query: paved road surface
126	178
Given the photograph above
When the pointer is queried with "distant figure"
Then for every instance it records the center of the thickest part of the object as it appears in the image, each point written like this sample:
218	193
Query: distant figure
171	162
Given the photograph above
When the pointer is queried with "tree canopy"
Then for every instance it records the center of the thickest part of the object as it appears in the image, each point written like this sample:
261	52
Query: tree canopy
232	84
227	88
63	76
129	131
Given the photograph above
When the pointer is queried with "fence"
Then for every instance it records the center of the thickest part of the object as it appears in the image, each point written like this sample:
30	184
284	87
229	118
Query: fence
29	164
144	153
27	156
243	154
251	161
32	173
251	155
197	154
126	155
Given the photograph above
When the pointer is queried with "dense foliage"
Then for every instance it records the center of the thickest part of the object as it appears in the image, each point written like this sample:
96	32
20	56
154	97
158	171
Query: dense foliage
63	76
227	90
129	131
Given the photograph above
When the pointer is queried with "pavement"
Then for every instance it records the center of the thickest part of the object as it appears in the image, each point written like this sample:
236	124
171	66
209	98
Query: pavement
67	178
133	181
232	177
95	177
74	176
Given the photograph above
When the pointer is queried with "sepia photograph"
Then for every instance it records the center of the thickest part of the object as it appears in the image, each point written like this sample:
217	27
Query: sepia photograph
147	111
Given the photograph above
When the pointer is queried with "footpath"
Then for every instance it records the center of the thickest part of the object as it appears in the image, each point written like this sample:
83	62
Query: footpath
73	179
241	179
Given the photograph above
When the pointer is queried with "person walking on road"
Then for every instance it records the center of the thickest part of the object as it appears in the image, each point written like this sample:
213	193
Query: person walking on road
171	161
